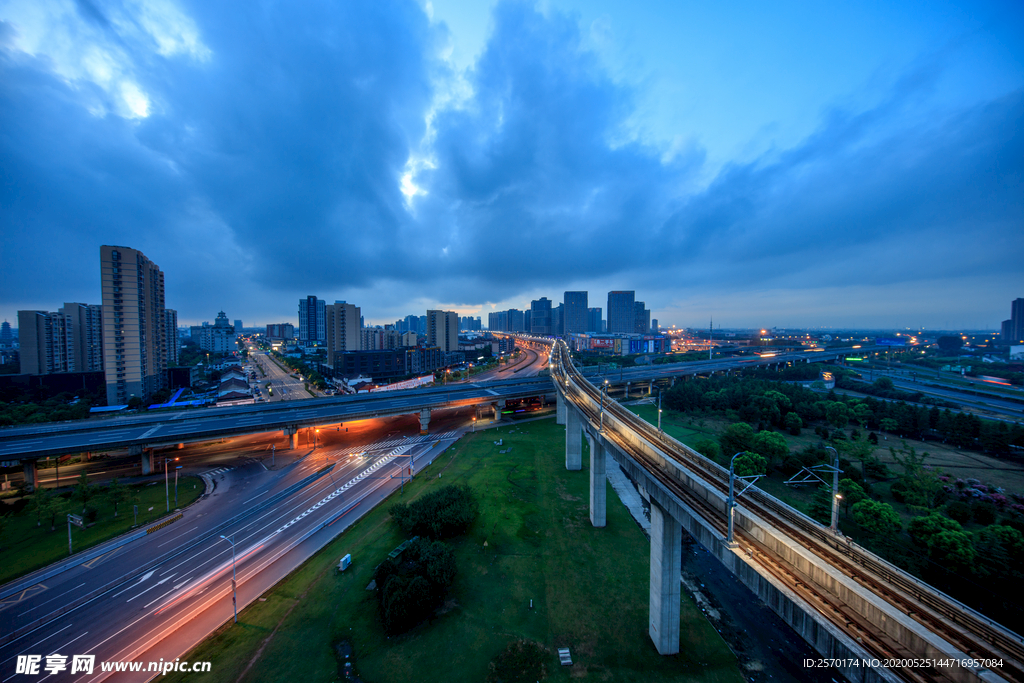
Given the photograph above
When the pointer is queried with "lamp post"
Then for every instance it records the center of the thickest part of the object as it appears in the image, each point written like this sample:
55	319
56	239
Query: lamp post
603	392
167	486
659	410
835	491
749	480
234	592
176	485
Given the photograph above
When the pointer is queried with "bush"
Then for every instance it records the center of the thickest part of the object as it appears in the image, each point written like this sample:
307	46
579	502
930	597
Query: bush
444	513
959	511
412	586
89	514
984	513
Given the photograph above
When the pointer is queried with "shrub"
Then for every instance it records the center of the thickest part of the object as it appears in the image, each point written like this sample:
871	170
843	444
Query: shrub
522	661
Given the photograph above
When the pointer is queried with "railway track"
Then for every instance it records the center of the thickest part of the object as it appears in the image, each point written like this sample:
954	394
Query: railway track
968	631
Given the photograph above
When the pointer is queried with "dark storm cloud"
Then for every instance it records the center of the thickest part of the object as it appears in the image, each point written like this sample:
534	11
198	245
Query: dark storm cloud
896	192
272	167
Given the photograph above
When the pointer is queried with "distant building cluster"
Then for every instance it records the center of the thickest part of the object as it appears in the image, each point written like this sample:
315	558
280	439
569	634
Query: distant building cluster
220	337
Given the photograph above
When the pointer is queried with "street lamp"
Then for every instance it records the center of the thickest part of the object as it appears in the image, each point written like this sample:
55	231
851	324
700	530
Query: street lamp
234	593
835	491
603	392
167	487
659	410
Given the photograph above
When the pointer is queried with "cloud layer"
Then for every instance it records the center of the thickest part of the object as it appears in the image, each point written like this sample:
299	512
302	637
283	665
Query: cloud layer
259	156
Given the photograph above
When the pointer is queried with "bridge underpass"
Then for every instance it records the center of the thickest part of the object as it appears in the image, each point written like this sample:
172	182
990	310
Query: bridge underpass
846	602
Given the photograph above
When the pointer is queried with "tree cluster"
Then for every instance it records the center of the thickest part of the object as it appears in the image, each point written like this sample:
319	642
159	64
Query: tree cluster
444	513
413	585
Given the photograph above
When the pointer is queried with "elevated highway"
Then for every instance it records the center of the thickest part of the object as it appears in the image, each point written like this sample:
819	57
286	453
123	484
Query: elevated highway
874	621
139	433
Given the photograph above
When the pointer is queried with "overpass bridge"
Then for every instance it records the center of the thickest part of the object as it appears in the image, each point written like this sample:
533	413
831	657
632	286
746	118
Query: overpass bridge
141	433
874	621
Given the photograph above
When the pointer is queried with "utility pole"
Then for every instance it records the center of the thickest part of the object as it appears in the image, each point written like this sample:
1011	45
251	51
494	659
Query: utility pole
659	410
711	335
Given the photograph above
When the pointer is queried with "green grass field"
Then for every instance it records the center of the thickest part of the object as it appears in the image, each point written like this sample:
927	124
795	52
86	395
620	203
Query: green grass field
533	541
25	547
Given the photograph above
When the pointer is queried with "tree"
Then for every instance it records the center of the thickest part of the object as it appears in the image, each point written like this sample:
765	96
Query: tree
771	445
887	424
877	517
922	528
84	492
737	437
117	493
134	403
42	500
821	504
953	550
883	384
750	464
709	449
852	493
793	423
837	414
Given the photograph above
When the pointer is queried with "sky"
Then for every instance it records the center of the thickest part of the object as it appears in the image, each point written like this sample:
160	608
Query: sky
785	164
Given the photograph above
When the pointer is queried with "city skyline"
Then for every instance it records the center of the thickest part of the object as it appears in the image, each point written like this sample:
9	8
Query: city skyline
479	156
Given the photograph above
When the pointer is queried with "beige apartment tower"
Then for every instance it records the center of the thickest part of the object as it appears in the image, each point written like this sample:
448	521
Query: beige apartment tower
443	330
87	335
341	321
134	321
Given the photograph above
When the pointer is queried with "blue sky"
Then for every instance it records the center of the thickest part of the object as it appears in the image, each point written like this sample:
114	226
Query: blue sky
782	164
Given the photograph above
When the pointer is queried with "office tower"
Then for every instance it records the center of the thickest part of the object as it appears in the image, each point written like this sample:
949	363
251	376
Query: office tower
527	320
621	312
238	327
575	318
87	335
312	327
654	326
1006	331
412	324
47	342
343	332
423	325
642	322
540	316
516	320
443	330
1017	321
594	321
171	335
134	338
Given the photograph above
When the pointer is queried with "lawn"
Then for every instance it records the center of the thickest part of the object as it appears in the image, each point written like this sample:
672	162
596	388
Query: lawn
26	546
533	541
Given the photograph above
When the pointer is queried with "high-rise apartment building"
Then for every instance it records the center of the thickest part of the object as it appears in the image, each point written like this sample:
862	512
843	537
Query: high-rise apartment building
595	322
6	338
443	330
312	326
281	332
342	325
540	317
47	342
654	326
173	344
220	337
134	337
621	312
576	309
87	335
238	327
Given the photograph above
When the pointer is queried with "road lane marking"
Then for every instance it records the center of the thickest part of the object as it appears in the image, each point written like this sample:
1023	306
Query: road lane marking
49	601
39	641
158	583
18	597
96	560
148	574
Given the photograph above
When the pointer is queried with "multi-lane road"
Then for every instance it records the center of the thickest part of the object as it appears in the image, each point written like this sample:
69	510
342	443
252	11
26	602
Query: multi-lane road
160	594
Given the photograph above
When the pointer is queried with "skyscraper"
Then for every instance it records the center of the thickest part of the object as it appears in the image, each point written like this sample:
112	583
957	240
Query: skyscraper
312	327
540	316
575	321
594	320
443	330
642	323
134	341
1017	321
343	330
621	312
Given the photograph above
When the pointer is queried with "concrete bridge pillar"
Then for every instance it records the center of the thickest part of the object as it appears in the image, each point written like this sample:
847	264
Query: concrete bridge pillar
293	436
672	383
31	474
559	408
424	421
499	406
666	566
573	440
598	479
180	446
145	457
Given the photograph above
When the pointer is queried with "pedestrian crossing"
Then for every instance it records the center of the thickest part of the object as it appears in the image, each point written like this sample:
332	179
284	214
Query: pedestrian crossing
220	470
391	443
